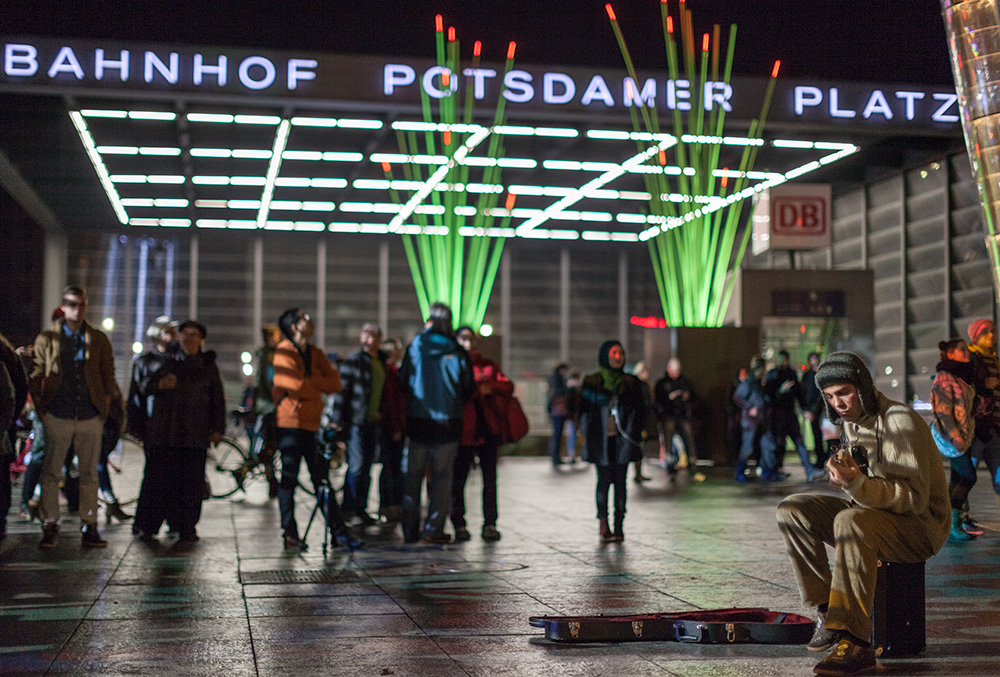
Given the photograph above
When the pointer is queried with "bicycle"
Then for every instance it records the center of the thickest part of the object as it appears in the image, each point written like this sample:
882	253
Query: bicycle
251	466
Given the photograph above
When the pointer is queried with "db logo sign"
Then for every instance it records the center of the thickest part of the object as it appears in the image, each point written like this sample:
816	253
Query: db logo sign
799	215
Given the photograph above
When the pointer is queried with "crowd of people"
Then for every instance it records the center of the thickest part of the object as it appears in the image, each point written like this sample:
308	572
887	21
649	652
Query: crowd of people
428	413
433	411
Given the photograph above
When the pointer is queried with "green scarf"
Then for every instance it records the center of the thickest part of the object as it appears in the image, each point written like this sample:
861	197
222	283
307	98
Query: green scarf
612	378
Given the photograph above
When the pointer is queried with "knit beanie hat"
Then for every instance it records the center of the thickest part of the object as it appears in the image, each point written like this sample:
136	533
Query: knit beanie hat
979	327
846	367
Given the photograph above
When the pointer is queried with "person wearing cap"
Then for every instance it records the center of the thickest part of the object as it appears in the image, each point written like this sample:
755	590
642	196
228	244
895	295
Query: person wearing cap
953	401
894	507
188	414
986	381
612	418
356	413
162	333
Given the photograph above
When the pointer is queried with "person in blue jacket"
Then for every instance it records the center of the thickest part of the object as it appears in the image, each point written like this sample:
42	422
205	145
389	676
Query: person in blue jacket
612	418
437	376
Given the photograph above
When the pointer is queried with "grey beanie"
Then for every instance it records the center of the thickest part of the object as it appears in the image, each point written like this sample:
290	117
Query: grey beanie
845	367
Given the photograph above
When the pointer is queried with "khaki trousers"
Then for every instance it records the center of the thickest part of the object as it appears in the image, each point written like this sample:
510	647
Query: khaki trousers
860	537
85	436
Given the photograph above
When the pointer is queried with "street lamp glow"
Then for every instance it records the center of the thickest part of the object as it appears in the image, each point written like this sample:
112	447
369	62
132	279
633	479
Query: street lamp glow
108	324
248	369
486	330
245	357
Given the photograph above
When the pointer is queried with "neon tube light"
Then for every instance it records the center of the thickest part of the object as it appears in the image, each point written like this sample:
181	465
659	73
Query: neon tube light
102	171
280	139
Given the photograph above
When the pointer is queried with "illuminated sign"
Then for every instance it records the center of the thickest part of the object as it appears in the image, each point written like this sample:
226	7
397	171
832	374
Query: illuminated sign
30	64
66	64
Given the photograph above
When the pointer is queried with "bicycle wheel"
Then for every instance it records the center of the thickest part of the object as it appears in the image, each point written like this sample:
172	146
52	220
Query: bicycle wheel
125	465
222	463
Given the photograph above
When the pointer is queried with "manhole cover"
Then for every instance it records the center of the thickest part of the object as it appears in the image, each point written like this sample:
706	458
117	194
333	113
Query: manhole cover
299	576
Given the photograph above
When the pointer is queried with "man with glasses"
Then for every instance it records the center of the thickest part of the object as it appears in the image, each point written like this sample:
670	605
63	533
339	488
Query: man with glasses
72	381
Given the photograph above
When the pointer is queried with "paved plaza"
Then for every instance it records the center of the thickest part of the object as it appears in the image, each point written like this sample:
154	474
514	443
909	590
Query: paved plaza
236	603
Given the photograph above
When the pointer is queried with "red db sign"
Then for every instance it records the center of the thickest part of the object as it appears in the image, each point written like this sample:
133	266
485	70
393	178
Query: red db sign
799	216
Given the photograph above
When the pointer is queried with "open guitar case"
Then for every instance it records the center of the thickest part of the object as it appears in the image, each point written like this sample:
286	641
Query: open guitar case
713	626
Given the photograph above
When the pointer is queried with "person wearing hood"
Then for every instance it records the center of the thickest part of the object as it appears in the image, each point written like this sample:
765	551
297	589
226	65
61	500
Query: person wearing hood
189	414
983	354
437	377
612	418
953	427
895	507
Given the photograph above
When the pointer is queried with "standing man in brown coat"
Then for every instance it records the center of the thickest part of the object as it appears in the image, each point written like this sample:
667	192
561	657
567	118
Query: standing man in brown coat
71	383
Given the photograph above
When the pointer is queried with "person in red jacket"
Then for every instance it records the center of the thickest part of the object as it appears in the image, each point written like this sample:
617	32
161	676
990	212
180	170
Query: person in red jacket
302	376
482	435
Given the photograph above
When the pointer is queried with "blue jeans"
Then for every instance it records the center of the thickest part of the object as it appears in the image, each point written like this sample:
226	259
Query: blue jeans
556	440
362	443
782	427
753	436
294	445
571	429
441	458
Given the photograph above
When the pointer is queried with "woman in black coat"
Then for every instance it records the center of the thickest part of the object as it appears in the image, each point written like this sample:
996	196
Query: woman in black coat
612	416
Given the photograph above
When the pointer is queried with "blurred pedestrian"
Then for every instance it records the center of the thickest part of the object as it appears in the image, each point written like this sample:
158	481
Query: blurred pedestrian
189	414
673	398
812	409
983	354
782	392
71	383
612	413
641	372
483	425
953	427
391	480
556	404
302	376
749	396
437	377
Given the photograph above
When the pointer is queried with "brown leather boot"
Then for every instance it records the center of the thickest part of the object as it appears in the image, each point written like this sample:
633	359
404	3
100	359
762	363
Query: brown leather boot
606	535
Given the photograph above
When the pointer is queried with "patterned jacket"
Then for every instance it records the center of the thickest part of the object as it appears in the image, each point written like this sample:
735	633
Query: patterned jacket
953	398
350	406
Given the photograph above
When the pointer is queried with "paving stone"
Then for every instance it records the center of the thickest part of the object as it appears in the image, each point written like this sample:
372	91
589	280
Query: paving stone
236	603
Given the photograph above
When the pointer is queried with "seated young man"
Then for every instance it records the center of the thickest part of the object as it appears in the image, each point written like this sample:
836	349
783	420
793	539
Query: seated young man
895	507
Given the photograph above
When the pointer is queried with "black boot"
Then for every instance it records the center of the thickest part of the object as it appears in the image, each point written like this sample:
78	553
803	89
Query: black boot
114	510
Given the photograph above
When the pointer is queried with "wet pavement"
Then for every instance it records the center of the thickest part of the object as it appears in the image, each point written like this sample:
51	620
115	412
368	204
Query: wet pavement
236	603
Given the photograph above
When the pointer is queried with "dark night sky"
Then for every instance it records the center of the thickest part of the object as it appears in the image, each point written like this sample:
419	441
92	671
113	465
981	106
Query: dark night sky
875	40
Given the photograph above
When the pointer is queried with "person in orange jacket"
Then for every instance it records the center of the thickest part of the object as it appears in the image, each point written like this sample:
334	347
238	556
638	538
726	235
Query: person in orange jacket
302	376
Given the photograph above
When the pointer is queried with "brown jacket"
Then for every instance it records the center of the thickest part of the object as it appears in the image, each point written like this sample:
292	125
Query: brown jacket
99	367
299	398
